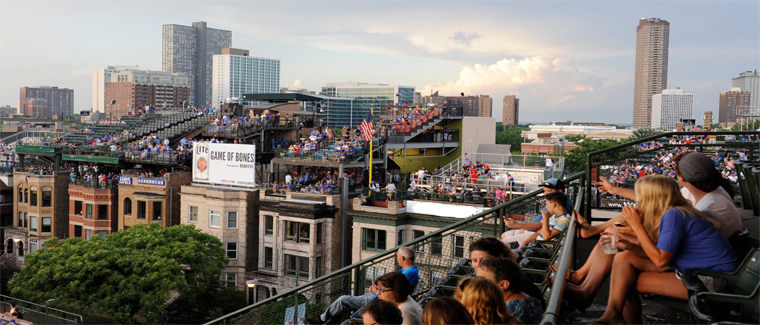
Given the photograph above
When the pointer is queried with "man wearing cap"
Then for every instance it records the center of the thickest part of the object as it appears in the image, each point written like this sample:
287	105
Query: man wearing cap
519	232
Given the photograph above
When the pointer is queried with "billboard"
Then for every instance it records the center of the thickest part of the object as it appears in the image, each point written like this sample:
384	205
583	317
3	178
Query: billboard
225	164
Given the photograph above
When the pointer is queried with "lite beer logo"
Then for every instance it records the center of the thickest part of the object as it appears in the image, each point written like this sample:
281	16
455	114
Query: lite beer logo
200	165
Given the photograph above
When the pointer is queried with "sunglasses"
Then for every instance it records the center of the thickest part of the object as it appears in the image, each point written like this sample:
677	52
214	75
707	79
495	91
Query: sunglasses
381	290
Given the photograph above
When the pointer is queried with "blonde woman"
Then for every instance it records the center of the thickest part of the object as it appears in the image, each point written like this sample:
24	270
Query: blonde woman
485	302
673	237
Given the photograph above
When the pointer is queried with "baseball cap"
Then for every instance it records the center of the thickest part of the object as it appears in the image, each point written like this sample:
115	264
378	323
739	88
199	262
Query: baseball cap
554	183
696	168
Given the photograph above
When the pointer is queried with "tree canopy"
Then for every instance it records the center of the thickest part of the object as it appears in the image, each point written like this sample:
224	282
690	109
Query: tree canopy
125	273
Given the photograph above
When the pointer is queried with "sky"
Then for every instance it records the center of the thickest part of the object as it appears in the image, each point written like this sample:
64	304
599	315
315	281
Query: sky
565	60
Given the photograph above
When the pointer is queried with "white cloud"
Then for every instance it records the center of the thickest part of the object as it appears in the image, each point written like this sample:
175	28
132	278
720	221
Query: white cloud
298	84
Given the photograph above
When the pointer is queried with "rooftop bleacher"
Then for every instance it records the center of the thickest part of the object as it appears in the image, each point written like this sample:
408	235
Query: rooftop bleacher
441	261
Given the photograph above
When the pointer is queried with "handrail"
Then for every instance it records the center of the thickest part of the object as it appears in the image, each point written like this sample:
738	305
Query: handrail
23	303
387	253
554	303
619	147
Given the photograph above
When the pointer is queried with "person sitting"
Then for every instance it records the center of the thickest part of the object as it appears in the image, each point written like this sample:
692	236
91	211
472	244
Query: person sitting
405	257
485	302
445	311
521	231
381	312
488	247
555	221
703	186
508	276
673	235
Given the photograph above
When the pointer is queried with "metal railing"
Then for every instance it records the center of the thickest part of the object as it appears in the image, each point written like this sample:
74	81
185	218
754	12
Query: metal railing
604	162
39	314
437	253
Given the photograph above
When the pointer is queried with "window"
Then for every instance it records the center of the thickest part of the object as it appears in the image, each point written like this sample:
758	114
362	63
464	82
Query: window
26	217
103	233
20	195
400	237
215	218
230	279
88	234
33	197
47	197
33	224
458	246
102	212
268	257
371	273
141	210
295	264
318	266
88	207
269	220
78	231
127	207
319	233
20	219
373	239
158	211
297	231
26	196
231	219
232	251
420	248
193	217
46	224
32	248
436	247
435	277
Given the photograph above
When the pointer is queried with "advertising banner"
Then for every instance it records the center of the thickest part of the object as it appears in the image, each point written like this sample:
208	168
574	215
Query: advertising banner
226	164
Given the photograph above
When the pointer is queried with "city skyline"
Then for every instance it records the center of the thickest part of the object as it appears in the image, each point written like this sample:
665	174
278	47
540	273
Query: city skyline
567	61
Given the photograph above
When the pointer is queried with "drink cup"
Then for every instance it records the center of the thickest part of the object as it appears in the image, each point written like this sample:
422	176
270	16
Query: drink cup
609	244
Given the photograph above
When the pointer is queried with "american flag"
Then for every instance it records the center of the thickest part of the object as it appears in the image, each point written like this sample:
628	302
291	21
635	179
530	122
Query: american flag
366	128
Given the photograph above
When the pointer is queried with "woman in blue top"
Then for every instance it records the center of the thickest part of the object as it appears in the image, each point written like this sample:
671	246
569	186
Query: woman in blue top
673	236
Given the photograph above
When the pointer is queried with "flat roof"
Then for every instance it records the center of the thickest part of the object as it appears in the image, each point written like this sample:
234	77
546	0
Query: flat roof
289	97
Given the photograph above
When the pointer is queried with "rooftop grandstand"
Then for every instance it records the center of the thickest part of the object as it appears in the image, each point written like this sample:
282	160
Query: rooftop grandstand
443	256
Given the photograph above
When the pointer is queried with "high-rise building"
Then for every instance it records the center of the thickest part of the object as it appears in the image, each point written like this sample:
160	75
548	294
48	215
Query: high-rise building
417	98
749	81
366	96
100	77
8	110
707	120
236	73
190	50
468	104
671	107
651	77
60	101
36	107
510	114
485	106
133	88
732	103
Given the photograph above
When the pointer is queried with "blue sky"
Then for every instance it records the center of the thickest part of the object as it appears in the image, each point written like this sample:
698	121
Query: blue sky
566	60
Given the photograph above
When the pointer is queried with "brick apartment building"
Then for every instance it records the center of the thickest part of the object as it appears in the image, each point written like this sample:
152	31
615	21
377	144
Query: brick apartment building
59	101
92	210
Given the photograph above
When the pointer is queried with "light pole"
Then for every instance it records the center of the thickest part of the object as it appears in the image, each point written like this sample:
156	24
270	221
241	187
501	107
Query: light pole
252	284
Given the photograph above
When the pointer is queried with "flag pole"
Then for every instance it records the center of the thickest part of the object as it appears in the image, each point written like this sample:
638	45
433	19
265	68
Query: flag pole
371	140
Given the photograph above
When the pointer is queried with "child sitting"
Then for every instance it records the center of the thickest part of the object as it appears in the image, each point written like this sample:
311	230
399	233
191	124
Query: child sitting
555	221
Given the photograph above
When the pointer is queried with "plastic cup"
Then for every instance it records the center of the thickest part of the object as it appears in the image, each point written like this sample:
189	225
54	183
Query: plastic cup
609	244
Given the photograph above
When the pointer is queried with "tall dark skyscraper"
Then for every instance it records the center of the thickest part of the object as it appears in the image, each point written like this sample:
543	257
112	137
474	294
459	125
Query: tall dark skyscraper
652	43
58	101
190	50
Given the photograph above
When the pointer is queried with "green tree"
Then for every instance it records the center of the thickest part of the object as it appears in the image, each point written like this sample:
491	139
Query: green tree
576	160
125	273
510	134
